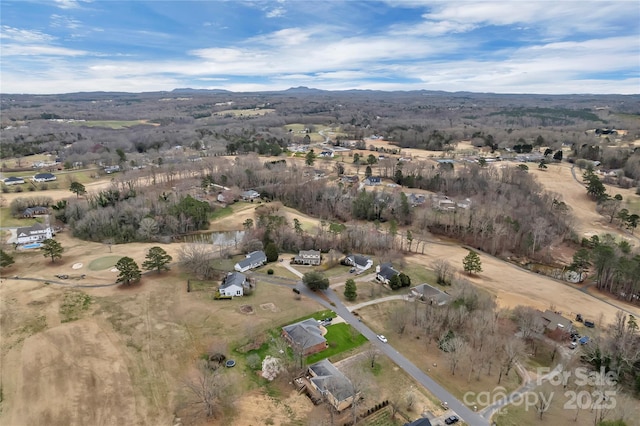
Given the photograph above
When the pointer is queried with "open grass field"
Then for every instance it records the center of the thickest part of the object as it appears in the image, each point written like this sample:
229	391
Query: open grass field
297	129
8	221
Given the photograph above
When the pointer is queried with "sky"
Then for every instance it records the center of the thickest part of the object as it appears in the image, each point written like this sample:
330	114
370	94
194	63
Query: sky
549	47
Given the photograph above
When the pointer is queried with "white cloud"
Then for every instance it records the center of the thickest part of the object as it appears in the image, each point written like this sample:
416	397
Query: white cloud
284	37
60	21
559	17
71	4
24	36
276	12
39	50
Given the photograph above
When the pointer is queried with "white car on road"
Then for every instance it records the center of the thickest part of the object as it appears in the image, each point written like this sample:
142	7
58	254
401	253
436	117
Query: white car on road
382	338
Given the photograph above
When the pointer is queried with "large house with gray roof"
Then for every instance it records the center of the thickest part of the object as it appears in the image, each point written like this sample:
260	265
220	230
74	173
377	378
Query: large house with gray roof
332	384
308	257
255	259
305	336
33	234
233	285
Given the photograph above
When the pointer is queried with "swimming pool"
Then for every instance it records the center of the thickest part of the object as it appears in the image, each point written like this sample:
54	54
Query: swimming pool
32	245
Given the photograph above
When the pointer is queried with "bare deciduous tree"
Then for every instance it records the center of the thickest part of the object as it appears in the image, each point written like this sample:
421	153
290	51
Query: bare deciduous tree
196	259
512	349
444	271
455	349
206	388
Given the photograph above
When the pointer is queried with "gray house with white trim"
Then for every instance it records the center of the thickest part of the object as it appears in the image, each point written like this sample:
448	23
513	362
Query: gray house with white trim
255	259
33	234
233	285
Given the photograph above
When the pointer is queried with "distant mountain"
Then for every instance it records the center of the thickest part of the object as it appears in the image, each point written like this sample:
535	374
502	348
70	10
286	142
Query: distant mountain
303	90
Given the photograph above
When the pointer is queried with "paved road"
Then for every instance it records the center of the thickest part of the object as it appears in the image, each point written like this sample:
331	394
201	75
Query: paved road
333	302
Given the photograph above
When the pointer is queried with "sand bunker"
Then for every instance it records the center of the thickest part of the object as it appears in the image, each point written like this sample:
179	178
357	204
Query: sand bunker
76	266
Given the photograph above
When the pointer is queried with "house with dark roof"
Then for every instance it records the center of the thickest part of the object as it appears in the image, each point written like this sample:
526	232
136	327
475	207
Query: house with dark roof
429	294
250	195
33	234
361	263
35	211
349	179
308	257
554	321
373	181
233	284
384	272
13	180
44	177
255	259
332	384
326	154
417	199
305	336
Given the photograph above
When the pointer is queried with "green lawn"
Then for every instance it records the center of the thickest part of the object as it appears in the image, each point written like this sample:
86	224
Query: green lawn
8	221
419	274
103	263
341	338
221	212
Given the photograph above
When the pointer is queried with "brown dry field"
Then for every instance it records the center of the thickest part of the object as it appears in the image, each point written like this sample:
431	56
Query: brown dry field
125	359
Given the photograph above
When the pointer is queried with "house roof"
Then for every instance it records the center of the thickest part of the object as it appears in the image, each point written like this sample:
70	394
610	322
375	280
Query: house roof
250	193
305	334
314	253
431	293
329	378
233	279
553	320
252	258
359	260
374	179
387	271
27	230
14	179
35	209
44	176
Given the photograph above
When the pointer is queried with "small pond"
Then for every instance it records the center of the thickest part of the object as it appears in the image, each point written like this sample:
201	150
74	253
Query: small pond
218	238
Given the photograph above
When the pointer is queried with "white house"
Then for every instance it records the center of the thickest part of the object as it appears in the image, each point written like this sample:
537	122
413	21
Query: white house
44	177
253	260
34	234
385	272
308	257
373	181
233	284
13	181
361	263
